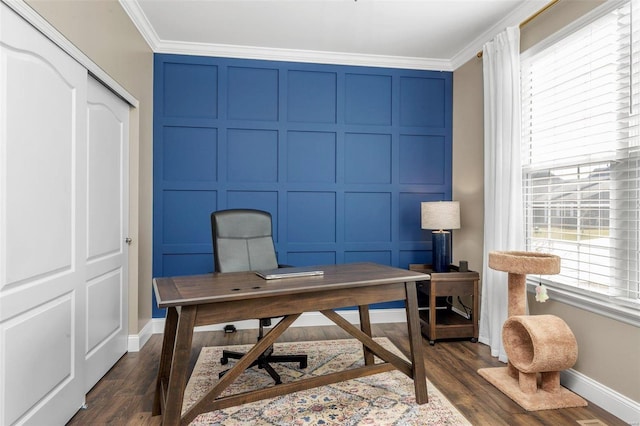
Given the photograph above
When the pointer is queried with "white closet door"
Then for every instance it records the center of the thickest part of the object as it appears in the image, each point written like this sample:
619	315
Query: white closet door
43	229
107	227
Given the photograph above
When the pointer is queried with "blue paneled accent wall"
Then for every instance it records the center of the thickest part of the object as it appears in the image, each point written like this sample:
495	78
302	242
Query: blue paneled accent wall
341	156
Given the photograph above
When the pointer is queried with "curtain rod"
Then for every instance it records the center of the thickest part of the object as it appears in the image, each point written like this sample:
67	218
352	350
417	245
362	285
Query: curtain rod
530	18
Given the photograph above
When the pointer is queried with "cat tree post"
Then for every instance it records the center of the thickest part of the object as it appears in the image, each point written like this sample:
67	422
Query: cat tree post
538	346
518	265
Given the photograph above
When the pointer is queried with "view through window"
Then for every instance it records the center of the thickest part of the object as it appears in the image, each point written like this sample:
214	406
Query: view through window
581	155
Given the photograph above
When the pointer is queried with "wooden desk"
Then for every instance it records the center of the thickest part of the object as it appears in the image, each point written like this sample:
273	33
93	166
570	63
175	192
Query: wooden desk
218	298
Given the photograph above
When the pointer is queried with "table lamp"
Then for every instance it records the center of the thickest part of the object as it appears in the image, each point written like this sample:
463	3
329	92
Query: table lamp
440	217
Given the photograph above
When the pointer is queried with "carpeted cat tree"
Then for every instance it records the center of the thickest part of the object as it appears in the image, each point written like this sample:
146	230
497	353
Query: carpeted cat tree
538	346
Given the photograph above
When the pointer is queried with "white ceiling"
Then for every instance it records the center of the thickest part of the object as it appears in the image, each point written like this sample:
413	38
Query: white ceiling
421	34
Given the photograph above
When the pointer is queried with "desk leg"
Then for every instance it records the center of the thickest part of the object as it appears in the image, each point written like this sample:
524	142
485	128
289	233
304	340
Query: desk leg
365	326
415	343
475	311
179	366
433	309
170	326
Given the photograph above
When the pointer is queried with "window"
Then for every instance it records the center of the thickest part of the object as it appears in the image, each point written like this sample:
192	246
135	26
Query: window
581	154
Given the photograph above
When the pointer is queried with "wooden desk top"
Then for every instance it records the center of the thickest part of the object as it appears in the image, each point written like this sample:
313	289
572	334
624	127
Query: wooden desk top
232	286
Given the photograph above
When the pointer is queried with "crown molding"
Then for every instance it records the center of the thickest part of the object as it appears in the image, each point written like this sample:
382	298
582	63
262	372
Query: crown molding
157	45
518	15
307	56
139	19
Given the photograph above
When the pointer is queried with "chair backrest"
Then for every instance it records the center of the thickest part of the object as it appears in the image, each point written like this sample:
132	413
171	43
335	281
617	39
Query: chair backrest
242	240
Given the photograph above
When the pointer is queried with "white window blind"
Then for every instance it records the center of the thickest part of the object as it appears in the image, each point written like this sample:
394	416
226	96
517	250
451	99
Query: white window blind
581	156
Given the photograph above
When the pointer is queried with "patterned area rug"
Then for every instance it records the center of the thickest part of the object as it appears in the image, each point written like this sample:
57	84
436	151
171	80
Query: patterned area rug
380	399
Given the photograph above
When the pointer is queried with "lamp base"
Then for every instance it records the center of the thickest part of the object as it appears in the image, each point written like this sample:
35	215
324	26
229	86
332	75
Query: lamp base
441	249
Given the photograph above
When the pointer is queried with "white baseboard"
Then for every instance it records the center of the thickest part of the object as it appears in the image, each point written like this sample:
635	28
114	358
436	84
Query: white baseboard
614	402
307	319
137	341
606	398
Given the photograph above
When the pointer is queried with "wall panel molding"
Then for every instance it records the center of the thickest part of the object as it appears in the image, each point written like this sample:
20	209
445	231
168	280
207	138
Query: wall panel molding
341	156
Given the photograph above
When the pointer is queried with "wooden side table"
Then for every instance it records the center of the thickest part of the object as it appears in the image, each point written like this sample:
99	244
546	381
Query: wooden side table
442	322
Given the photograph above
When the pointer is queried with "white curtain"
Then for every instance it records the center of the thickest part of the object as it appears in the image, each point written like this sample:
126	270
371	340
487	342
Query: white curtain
503	215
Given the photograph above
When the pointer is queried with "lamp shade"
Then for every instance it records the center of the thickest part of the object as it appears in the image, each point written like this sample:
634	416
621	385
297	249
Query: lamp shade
440	215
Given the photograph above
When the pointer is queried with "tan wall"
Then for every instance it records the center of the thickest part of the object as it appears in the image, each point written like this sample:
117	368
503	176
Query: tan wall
468	157
608	349
103	31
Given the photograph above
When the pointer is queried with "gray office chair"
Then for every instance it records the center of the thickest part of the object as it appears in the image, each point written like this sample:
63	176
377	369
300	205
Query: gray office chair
242	241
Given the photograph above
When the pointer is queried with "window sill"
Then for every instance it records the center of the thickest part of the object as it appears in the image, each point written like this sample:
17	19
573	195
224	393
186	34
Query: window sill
596	306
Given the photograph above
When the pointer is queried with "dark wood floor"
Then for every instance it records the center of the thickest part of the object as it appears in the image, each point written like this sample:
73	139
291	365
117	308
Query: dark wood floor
125	395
